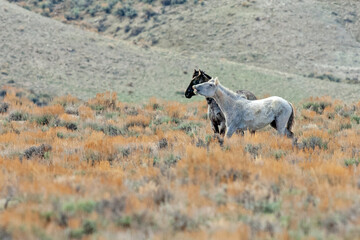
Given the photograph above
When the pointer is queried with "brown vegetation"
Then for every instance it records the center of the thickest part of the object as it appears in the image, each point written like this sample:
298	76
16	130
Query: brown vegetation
154	171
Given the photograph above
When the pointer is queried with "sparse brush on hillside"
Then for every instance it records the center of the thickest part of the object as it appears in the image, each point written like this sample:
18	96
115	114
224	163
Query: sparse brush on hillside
154	170
130	16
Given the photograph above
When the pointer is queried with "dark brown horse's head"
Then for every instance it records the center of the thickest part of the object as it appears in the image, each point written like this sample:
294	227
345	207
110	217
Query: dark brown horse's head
198	77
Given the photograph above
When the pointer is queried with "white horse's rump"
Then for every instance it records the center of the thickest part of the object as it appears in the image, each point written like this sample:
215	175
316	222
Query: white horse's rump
243	114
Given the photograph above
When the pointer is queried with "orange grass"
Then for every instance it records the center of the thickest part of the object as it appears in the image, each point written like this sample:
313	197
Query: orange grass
163	175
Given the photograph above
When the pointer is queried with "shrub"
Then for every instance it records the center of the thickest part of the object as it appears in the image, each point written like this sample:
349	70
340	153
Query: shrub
329	77
253	149
41	151
76	233
181	222
172	2
162	195
149	13
268	207
171	159
109	130
356	119
124	221
313	142
70	126
73	15
278	154
95	10
317	107
352	161
110	6
18	116
148	1
44	119
163	143
188	127
4	107
2	93
345	126
40	99
60	135
126	11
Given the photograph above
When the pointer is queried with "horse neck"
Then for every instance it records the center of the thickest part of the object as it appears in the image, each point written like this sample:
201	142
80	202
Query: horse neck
225	98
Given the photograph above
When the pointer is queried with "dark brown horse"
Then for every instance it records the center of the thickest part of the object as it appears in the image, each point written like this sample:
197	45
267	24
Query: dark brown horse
217	118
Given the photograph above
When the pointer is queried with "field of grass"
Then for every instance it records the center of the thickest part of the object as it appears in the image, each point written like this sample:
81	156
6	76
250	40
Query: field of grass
105	169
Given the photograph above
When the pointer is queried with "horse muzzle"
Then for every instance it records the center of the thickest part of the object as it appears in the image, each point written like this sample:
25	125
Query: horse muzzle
189	94
195	90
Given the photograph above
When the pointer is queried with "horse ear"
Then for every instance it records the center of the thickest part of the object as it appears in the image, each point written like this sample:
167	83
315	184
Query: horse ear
216	81
200	72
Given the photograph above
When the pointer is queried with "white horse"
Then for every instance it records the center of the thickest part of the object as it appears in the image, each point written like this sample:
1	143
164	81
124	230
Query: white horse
243	114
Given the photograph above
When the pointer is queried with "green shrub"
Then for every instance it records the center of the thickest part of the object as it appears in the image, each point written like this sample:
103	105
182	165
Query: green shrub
147	1
345	126
352	161
76	233
44	119
109	130
82	206
317	107
253	149
313	142
126	11
269	207
172	2
4	107
278	154
110	5
69	125
124	221
95	10
329	77
60	135
188	127
18	116
356	119
171	159
73	15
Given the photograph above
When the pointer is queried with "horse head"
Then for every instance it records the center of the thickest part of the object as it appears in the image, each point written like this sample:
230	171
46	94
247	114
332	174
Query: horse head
207	89
197	78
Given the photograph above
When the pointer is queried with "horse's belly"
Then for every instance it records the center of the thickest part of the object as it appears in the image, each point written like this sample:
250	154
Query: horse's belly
256	126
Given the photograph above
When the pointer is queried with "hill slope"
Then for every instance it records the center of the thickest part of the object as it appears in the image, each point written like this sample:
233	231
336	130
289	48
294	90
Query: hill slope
49	56
309	37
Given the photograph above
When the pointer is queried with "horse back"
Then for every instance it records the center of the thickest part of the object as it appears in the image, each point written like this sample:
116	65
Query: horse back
248	95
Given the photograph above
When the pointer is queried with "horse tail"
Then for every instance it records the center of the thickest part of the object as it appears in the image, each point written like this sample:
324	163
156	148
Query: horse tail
291	120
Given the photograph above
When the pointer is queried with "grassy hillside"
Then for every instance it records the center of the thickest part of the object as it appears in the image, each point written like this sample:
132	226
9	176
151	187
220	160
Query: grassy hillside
50	57
103	169
310	37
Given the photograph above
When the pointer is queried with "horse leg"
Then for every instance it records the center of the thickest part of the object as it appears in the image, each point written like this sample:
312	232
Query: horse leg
289	133
241	132
281	125
214	126
230	131
252	132
222	128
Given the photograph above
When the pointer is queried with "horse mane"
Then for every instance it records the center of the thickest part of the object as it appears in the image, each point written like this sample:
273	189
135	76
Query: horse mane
207	76
201	73
229	92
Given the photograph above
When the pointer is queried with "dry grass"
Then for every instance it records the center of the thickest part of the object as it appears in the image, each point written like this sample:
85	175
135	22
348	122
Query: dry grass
154	171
